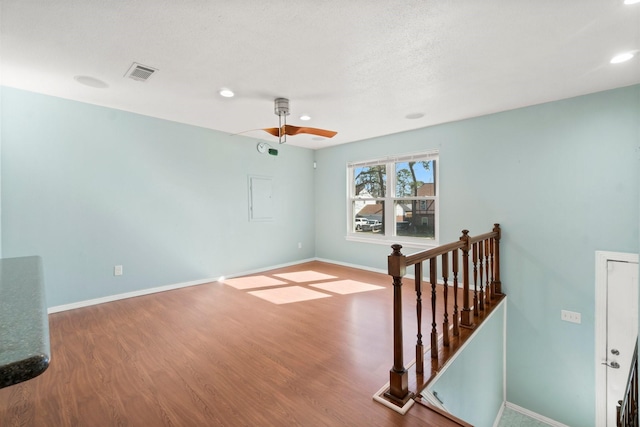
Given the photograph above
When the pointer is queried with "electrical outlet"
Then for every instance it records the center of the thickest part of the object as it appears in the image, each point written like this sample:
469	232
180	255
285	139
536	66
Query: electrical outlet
117	270
299	245
570	316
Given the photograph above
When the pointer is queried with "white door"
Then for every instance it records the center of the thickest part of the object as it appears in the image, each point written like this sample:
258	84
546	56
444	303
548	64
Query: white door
621	330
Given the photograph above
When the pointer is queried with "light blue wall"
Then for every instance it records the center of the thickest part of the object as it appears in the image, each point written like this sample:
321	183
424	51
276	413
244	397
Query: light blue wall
472	387
562	179
1	102
88	187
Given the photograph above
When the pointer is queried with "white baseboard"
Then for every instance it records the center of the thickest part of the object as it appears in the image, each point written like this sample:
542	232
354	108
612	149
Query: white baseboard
347	264
126	295
534	415
271	267
110	298
362	267
499	416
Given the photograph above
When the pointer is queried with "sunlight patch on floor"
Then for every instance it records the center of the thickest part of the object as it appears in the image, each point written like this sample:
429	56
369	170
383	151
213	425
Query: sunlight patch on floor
305	276
253	282
344	287
284	293
288	294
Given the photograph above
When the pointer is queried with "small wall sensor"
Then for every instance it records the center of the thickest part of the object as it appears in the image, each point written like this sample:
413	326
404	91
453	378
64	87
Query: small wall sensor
263	147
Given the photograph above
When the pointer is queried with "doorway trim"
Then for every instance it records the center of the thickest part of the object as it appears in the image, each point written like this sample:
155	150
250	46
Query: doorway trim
602	257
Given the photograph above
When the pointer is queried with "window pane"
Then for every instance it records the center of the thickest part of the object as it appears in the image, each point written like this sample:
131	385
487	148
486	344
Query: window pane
415	218
370	181
415	179
369	217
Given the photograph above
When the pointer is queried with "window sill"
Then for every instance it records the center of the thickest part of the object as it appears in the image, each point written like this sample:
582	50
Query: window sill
388	241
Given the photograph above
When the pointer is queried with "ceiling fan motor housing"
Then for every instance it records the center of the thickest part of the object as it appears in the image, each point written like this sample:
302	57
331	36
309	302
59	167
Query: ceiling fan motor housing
281	107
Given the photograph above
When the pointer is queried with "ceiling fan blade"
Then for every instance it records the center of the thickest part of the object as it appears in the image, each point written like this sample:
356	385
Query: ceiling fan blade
295	130
273	131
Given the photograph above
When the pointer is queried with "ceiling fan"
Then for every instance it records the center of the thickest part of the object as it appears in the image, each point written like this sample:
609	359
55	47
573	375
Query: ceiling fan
281	109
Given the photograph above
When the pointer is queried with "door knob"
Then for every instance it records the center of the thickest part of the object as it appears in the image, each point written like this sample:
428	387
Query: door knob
615	352
614	365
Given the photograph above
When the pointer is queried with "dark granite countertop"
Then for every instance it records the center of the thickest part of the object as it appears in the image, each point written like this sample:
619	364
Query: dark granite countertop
24	323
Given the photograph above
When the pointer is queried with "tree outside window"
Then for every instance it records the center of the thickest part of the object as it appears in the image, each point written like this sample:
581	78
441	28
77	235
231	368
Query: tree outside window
394	197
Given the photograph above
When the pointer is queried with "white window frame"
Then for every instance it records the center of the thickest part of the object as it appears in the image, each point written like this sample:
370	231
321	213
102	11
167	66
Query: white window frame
389	201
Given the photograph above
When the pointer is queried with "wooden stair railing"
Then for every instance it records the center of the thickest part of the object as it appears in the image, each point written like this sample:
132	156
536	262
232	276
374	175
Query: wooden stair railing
627	410
480	257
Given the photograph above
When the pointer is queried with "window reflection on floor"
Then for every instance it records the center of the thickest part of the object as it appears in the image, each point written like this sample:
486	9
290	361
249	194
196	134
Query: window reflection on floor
282	292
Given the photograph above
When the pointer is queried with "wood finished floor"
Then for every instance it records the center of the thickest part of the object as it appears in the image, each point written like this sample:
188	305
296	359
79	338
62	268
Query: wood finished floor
212	355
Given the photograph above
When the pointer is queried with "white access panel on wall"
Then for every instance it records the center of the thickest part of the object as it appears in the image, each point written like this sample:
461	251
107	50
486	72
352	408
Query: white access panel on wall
260	198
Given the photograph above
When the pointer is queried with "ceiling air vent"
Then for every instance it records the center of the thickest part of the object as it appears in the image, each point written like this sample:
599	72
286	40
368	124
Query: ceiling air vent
141	73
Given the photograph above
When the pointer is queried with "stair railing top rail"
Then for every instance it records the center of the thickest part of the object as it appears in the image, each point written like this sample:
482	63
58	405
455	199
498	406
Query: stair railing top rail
433	253
465	242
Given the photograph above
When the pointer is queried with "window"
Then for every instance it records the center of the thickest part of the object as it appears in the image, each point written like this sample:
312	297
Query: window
394	199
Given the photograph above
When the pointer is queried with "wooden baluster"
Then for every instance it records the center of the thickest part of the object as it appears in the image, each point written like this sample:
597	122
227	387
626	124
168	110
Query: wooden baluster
445	276
488	253
419	345
481	271
475	279
496	264
433	265
466	320
456	315
398	375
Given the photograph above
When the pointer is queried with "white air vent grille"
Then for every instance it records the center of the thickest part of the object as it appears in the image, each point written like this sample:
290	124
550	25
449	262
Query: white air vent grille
141	73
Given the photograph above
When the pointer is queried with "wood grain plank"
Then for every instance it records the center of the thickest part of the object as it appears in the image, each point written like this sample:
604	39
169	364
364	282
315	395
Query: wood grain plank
212	355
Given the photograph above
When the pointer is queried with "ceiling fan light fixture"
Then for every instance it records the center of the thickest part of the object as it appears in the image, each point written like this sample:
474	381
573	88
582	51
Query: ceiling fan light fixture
281	109
227	93
623	57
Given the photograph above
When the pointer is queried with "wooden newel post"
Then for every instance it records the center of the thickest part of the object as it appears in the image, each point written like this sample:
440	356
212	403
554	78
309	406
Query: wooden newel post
496	262
466	319
398	375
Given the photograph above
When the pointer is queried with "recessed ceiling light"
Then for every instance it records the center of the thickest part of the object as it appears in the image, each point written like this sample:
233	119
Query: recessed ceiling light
623	57
631	1
414	116
91	82
227	93
305	117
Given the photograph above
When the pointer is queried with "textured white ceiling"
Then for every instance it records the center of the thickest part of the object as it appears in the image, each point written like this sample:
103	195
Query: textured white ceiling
356	66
